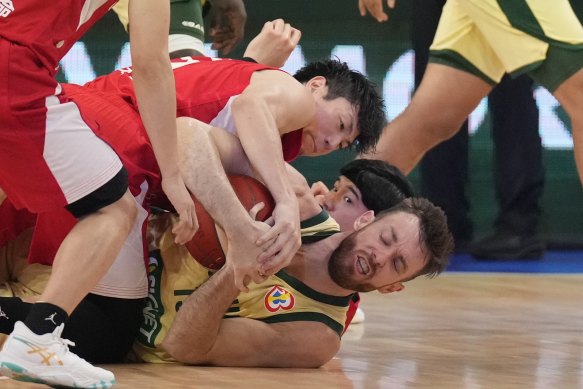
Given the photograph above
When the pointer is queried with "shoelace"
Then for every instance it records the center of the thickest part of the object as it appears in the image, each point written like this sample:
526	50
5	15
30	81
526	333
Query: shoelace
65	343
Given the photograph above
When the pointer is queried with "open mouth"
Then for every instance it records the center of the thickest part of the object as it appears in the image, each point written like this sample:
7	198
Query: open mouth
362	266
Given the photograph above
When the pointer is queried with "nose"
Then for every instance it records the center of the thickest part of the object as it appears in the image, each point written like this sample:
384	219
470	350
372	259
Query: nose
332	141
378	261
327	204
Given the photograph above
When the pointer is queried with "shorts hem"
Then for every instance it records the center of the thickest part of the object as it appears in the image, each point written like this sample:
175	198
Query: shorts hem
457	61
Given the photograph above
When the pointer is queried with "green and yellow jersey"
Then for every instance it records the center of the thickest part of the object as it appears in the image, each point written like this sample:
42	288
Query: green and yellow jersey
174	275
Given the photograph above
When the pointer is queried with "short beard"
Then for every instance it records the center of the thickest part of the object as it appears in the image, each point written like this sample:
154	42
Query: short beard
341	269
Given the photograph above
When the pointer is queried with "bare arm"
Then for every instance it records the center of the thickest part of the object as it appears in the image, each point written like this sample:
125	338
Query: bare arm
274	44
155	92
206	178
273	104
200	335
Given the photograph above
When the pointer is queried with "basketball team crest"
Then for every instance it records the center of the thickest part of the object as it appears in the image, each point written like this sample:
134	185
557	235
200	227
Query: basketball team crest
278	298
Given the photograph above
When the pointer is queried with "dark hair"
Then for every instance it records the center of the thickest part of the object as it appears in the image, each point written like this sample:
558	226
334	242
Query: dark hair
381	184
358	90
434	234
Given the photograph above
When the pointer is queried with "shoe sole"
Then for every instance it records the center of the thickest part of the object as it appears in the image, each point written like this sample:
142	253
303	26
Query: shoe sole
19	373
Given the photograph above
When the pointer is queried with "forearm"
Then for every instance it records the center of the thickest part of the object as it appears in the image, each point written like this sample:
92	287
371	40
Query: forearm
205	177
157	104
196	326
255	121
153	79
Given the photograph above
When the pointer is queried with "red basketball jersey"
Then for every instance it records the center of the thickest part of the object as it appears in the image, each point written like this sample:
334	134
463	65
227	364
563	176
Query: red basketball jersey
204	87
49	28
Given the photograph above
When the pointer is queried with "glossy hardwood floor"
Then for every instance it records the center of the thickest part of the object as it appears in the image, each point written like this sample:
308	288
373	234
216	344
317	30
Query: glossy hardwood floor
456	331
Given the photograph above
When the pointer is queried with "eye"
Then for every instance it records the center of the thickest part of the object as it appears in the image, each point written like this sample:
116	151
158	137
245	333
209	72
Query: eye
348	200
383	241
334	189
341	125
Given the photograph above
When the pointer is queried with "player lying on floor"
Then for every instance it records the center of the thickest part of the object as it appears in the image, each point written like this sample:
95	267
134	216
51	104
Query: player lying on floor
295	317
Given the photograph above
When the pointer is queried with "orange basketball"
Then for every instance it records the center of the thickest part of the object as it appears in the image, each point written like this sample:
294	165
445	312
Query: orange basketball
205	246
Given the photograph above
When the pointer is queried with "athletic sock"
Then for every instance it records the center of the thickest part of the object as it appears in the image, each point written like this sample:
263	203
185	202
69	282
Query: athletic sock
44	318
12	309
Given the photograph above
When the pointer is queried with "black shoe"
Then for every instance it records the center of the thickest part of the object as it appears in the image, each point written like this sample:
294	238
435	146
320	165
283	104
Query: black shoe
508	245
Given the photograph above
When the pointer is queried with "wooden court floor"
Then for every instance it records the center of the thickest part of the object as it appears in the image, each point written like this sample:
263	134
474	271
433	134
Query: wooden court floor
457	331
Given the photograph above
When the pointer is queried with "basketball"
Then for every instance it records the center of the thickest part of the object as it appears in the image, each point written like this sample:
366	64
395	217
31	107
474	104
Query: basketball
205	246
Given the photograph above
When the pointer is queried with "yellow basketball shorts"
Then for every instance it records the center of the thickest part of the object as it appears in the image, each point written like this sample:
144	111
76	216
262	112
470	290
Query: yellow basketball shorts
491	37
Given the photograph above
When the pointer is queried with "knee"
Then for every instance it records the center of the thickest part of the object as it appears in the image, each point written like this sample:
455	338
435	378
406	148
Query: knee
110	194
128	207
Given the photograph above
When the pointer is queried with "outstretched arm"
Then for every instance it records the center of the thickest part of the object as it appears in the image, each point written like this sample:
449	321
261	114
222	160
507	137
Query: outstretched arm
155	92
200	335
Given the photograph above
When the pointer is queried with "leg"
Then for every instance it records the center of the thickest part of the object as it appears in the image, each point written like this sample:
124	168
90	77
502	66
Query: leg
435	113
444	169
80	262
570	95
104	328
518	172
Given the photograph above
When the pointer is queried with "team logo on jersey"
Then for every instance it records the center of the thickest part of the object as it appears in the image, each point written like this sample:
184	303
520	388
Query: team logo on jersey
278	298
6	8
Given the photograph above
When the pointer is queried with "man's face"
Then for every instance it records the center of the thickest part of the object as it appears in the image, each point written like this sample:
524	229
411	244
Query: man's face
380	255
344	203
334	127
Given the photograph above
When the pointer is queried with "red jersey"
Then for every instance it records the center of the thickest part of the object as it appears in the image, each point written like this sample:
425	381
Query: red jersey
204	89
49	28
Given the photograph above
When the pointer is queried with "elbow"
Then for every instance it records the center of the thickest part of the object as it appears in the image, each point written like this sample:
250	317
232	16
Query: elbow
317	361
183	354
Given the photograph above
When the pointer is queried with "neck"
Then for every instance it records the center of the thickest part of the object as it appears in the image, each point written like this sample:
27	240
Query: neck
310	265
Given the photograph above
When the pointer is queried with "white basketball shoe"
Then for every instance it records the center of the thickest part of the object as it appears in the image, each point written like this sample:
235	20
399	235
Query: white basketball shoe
46	359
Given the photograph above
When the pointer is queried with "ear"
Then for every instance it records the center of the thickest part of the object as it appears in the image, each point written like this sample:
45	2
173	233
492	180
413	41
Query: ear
364	220
316	83
396	287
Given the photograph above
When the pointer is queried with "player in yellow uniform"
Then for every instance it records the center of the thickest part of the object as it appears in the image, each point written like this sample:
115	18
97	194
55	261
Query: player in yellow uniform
174	275
295	317
476	42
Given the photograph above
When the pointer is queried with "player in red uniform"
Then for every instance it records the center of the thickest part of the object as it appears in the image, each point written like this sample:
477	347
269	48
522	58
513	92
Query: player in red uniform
50	158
